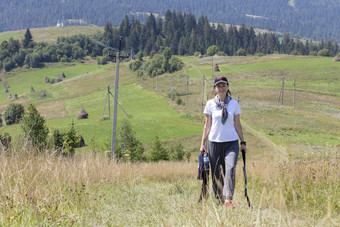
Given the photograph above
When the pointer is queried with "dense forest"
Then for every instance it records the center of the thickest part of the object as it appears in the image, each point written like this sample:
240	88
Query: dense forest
177	33
311	19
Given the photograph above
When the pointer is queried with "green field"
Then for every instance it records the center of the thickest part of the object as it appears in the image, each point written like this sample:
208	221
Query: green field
313	122
50	34
293	153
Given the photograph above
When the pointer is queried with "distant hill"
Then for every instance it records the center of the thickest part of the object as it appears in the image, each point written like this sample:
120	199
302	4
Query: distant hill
314	19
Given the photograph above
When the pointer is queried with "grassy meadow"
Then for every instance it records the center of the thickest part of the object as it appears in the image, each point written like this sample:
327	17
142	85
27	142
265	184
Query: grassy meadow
50	34
292	160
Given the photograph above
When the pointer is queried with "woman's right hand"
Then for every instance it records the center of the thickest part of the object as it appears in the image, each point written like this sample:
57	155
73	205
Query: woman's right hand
203	149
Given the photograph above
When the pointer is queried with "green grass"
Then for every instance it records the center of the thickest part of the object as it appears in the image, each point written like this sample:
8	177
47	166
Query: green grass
21	80
50	34
149	112
5	36
291	159
312	123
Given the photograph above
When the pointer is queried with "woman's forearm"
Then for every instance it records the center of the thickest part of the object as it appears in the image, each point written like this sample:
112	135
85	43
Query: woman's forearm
238	127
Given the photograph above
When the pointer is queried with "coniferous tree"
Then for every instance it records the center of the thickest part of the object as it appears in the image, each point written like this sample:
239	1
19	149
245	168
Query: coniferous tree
108	34
27	42
158	152
34	127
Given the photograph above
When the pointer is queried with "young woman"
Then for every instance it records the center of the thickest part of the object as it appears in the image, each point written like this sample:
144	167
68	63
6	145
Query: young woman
223	126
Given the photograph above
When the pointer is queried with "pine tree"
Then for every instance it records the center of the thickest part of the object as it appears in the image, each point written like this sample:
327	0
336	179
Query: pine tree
34	127
129	147
108	34
27	42
70	141
158	152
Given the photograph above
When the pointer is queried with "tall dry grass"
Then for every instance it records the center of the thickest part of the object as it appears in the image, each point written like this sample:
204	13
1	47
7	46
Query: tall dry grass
91	190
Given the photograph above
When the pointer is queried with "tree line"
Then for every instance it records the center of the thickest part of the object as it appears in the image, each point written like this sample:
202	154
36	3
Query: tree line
182	33
312	19
185	35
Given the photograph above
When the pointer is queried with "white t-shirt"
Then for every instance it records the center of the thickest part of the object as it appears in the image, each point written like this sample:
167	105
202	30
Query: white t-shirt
219	132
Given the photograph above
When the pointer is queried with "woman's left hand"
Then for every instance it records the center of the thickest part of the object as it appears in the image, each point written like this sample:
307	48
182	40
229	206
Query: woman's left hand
244	148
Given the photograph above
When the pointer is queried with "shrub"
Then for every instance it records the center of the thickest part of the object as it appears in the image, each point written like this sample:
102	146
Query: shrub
135	65
52	81
178	152
55	140
70	141
241	52
295	52
313	53
5	141
154	65
8	64
179	101
34	127
324	53
158	152
221	53
175	64
212	50
13	113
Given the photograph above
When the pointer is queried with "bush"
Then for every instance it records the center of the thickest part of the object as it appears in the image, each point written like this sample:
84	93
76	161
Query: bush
175	64
13	113
178	152
295	52
313	53
5	141
34	127
179	101
139	56
135	65
221	53
212	50
158	152
241	52
324	53
55	140
8	64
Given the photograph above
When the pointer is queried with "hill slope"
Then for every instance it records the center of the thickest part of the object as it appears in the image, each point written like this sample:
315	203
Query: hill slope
308	19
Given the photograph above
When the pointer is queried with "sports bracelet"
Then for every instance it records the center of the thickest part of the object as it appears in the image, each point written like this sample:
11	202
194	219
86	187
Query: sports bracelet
243	143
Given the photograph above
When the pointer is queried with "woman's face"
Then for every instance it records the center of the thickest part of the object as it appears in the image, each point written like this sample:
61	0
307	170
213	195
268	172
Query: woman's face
221	88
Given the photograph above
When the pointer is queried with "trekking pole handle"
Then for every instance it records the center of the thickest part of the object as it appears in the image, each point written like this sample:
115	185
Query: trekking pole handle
244	157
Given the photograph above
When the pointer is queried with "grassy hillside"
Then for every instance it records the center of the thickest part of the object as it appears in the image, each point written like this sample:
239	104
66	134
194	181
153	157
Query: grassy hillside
50	34
292	158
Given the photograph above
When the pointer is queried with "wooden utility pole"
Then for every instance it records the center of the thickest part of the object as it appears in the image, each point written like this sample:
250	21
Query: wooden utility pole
203	86
107	98
171	88
156	80
212	66
294	95
187	91
281	91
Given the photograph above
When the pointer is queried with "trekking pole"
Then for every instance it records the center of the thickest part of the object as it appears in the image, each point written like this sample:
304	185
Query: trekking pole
245	176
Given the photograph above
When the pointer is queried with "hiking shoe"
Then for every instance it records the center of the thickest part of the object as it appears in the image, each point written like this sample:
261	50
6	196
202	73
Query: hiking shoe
228	203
